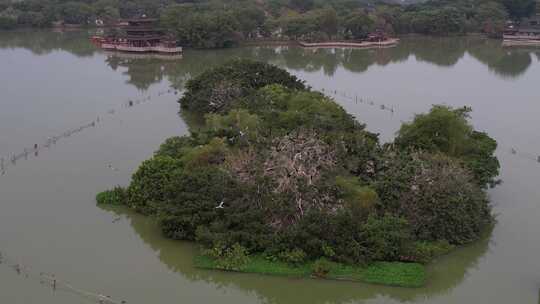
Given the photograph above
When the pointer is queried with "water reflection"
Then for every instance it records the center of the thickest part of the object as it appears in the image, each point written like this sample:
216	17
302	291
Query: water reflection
45	42
445	275
443	52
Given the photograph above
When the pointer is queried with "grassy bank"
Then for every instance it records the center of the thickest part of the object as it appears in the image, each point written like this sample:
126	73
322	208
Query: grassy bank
383	273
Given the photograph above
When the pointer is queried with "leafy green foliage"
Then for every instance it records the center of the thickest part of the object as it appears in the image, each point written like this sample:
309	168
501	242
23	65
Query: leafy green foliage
238	125
202	28
384	273
213	153
229	258
442	129
261	265
520	8
358	24
387	237
360	200
321	267
149	183
435	194
116	196
176	147
7	23
424	252
192	196
220	23
288	175
216	89
447	130
295	256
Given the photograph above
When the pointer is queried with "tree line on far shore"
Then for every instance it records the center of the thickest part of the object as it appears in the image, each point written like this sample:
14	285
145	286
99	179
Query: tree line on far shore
219	23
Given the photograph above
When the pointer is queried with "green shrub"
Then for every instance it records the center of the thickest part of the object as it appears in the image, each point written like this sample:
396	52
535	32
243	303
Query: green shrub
192	197
237	125
321	267
447	130
149	182
294	257
386	236
216	89
234	258
212	153
360	200
116	196
7	22
435	194
328	251
176	147
424	252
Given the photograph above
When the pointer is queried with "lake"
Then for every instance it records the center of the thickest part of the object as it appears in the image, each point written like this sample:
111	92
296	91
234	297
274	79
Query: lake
75	120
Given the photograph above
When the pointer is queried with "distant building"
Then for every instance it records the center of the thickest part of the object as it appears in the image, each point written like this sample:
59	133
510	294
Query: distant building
526	32
139	35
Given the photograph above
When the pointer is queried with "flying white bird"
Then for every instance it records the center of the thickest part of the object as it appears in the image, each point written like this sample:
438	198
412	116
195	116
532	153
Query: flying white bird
220	205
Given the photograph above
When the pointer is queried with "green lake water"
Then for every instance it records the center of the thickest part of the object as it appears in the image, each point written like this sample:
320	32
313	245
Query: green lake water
95	116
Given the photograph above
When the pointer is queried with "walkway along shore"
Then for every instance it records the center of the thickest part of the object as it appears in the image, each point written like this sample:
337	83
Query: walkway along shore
365	44
391	42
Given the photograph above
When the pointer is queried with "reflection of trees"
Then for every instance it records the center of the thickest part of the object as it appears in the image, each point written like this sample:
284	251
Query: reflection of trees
506	62
513	64
44	42
439	51
312	60
445	274
143	72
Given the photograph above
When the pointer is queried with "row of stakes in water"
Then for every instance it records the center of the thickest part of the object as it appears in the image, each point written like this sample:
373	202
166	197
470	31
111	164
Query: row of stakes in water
391	109
361	100
54	283
130	103
13	158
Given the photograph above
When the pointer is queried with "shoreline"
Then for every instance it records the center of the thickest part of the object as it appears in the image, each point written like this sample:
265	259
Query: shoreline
396	274
366	44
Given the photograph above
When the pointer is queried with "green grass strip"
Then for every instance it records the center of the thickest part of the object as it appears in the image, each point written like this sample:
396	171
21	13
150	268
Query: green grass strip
383	273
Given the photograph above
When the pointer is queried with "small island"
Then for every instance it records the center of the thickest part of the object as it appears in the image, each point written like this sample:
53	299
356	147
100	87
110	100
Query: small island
279	179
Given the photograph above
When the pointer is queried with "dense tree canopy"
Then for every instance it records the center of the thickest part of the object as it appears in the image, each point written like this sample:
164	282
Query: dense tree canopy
520	8
447	130
220	23
283	171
